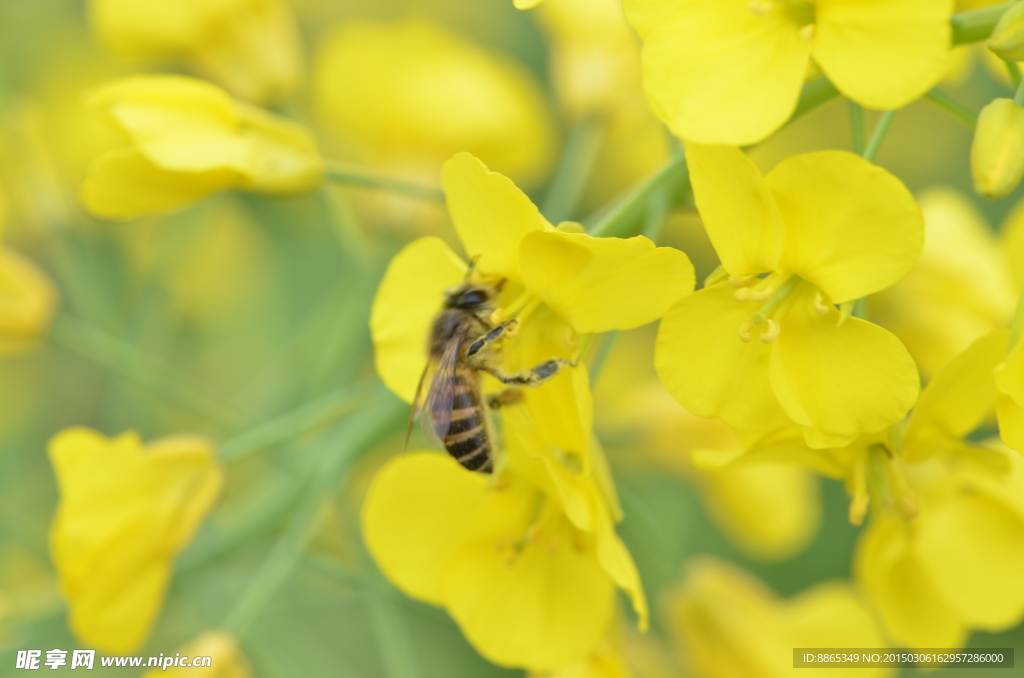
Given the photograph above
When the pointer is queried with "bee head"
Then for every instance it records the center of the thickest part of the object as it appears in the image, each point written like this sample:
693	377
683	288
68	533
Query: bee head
469	296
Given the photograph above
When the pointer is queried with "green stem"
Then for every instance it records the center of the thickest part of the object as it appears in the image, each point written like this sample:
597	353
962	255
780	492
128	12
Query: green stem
879	135
338	452
1014	70
674	173
356	176
657	209
953	107
129	362
857	128
1017	328
574	169
976	24
602	356
392	636
293	424
1018	98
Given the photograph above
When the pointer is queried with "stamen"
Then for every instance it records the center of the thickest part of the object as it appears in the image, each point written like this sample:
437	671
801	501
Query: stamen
774	329
745	328
807	33
745	281
860	499
819	304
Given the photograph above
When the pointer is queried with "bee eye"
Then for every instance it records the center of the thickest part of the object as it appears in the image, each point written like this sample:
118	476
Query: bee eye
473	298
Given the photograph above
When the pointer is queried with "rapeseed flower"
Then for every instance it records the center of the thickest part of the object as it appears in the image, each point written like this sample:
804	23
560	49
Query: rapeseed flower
527	566
729	624
251	47
560	283
763	352
426	93
730	71
189	140
126	509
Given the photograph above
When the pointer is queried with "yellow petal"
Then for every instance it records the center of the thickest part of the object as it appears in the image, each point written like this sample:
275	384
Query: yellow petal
1011	422
426	93
973	550
225	657
280	156
851	228
959	290
540	605
526	4
124	513
1009	374
178	123
123	184
1013	243
894	580
27	302
602	284
715	72
423	509
839	380
491	215
410	295
958	398
883	53
771	511
616	560
703	363
737	208
997	148
562	408
831	614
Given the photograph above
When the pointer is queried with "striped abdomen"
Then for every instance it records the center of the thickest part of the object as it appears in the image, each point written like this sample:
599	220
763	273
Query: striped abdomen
467	439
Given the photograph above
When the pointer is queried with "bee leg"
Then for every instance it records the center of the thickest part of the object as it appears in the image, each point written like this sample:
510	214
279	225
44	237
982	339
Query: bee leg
493	335
510	396
534	376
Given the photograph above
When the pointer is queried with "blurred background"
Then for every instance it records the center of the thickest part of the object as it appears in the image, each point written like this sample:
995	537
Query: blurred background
219	318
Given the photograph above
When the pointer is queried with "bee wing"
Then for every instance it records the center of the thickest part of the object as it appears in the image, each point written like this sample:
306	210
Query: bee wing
441	393
414	411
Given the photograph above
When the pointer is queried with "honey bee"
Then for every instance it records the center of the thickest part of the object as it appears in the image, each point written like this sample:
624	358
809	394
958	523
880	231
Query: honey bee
460	346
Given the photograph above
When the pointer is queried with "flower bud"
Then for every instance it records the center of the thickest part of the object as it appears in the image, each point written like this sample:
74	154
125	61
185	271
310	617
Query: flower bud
997	154
1007	39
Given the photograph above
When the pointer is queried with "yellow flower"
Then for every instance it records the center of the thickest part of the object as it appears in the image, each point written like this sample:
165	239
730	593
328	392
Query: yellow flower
249	46
424	94
527	566
1007	39
729	624
190	139
226	659
125	510
960	289
956	566
27	302
762	352
1009	377
997	153
565	283
730	71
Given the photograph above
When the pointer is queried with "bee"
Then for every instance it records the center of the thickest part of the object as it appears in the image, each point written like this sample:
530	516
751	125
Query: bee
460	345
